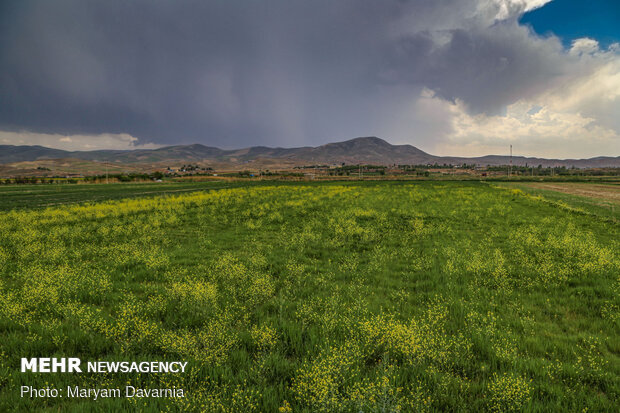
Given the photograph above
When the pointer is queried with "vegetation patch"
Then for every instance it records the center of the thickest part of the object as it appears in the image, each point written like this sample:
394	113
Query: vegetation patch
358	296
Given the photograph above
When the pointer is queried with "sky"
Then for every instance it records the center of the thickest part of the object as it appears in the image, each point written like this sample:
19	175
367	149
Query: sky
451	77
574	19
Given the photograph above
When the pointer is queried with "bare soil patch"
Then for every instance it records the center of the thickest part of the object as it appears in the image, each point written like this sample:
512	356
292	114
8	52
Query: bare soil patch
607	192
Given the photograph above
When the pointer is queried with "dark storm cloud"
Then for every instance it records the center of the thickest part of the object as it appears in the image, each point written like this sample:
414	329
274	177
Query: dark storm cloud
237	73
487	69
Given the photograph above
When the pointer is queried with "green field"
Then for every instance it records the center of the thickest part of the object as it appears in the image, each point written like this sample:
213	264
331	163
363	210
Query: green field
357	296
44	196
602	199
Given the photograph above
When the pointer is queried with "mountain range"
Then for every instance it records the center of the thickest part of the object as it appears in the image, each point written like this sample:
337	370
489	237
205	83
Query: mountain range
366	150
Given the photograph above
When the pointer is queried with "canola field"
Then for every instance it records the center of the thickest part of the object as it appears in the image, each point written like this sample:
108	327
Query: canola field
341	297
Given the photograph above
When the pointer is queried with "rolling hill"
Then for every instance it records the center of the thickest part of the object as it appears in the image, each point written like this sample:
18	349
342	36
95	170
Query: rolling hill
366	150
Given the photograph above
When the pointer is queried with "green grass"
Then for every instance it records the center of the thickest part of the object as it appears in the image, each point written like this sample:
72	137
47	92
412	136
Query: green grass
43	196
364	296
599	207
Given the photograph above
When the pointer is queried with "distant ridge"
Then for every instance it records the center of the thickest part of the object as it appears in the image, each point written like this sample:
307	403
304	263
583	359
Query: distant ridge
365	150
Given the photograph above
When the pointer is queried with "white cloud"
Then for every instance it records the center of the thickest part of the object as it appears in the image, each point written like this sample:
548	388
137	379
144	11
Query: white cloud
534	129
74	142
534	4
508	8
583	45
602	86
570	112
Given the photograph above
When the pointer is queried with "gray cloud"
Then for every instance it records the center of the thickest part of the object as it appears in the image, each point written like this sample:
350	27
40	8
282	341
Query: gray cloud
486	69
272	72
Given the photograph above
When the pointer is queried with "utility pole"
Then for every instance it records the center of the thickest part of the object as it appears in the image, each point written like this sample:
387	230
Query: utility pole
106	174
510	168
